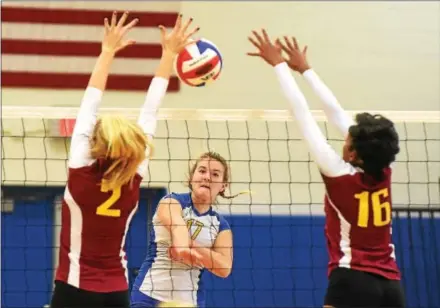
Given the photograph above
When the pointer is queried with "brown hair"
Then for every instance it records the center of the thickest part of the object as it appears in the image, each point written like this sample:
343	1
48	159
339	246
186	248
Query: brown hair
123	144
226	175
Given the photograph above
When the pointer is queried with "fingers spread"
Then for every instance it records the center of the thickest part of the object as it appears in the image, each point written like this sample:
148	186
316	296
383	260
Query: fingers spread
106	25
295	43
113	22
163	31
186	26
258	36
257	45
186	37
130	25
289	44
304	52
122	20
266	36
254	54
178	24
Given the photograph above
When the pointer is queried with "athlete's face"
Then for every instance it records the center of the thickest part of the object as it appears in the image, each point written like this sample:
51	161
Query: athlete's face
348	153
208	179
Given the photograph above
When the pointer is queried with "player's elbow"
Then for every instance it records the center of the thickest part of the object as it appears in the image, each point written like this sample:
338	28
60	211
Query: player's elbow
223	272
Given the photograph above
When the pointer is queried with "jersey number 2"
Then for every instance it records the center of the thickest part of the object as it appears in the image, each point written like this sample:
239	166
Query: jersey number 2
105	208
381	210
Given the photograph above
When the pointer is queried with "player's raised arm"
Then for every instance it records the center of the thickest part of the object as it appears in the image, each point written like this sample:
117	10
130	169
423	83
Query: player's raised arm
172	44
329	162
85	122
297	61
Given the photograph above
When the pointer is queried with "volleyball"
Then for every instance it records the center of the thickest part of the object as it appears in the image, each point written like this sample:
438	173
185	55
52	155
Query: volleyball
199	64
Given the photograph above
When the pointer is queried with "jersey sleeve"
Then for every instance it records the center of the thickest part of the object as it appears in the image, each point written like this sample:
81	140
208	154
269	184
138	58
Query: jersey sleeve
79	155
148	117
224	225
332	109
328	161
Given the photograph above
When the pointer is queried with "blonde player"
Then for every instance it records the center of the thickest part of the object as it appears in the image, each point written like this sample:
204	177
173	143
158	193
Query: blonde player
188	236
108	158
362	267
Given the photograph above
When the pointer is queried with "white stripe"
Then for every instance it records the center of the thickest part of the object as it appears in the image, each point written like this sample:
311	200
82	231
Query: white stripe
122	251
153	6
54	64
391	245
344	244
80	33
76	225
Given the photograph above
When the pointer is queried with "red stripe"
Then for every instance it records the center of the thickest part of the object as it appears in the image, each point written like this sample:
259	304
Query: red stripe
79	81
80	16
80	49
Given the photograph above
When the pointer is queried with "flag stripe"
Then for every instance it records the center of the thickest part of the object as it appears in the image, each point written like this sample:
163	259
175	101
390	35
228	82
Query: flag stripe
76	65
155	6
72	33
79	49
79	81
80	16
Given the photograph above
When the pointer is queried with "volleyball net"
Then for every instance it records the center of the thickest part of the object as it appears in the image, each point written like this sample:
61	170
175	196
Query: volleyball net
280	257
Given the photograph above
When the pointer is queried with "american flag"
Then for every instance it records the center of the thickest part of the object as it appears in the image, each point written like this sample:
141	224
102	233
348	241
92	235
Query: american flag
55	44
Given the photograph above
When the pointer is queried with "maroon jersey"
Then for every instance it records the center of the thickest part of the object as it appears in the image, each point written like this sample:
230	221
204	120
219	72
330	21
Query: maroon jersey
94	226
95	221
358	224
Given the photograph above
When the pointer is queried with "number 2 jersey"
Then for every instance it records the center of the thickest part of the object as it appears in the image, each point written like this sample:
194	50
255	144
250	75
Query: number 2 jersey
166	280
95	221
358	223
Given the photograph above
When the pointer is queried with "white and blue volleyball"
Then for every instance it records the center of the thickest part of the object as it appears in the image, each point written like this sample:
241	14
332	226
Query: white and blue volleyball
199	64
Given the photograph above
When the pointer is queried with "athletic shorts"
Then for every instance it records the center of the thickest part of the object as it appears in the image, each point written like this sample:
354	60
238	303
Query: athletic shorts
67	296
352	288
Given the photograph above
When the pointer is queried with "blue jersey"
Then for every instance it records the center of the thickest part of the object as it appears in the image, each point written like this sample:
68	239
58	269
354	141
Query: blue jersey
167	280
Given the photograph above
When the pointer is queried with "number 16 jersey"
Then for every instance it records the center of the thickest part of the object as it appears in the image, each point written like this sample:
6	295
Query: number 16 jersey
358	223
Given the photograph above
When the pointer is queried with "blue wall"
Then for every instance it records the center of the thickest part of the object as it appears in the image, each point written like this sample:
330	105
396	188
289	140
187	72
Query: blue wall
279	261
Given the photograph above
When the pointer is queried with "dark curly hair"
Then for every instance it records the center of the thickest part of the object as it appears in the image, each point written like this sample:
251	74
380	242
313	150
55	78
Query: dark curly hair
376	142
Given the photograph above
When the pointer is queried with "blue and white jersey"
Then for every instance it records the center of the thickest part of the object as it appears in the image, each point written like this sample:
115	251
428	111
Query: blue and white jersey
167	280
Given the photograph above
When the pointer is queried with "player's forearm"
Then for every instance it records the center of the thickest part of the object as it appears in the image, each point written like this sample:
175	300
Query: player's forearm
180	236
100	72
214	262
148	115
165	67
333	110
156	92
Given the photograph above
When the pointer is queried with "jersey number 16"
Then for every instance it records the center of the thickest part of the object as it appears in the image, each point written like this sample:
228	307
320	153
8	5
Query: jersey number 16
104	209
381	209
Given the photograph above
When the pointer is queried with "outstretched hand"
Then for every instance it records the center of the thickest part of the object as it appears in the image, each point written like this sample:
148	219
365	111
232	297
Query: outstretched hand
115	31
175	41
269	52
296	59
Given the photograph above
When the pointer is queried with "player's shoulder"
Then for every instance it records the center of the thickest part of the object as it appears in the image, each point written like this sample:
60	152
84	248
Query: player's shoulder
358	177
223	224
183	198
